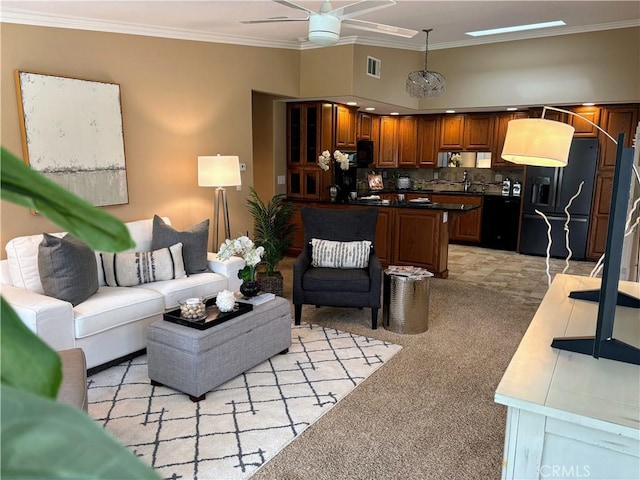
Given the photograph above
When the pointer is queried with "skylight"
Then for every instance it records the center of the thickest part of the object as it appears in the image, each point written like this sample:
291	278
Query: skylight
517	28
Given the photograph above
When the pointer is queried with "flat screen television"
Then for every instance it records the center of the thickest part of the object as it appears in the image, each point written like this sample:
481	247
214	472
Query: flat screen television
602	344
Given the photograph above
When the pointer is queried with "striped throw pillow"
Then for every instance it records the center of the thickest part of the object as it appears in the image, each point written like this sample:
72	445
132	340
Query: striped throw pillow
134	268
327	253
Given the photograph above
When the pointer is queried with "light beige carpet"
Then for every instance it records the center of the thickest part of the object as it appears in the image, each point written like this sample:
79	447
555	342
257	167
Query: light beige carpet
429	412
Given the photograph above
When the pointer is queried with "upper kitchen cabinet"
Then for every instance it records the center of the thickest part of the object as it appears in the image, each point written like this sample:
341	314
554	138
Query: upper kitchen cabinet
500	124
364	127
452	132
428	134
616	120
583	128
478	132
407	141
388	142
309	132
549	115
472	132
346	119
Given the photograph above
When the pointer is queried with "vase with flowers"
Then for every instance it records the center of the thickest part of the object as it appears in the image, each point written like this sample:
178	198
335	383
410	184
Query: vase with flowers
244	247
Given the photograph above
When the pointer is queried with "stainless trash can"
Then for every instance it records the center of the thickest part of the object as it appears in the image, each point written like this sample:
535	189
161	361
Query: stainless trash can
405	306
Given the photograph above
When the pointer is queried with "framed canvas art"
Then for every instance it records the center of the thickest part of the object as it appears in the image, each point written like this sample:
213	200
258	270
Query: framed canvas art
72	133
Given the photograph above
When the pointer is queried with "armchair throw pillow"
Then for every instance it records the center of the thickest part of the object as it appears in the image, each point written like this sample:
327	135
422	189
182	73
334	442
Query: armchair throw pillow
327	253
194	243
67	268
134	268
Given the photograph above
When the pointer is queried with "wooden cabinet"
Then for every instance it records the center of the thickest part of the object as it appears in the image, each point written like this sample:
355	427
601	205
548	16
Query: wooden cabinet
309	132
388	142
345	135
364	127
428	134
452	132
463	227
471	132
584	129
407	141
420	239
478	132
384	239
298	234
616	120
500	124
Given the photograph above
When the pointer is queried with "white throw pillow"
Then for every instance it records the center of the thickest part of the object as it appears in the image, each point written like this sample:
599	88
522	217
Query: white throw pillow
327	253
135	268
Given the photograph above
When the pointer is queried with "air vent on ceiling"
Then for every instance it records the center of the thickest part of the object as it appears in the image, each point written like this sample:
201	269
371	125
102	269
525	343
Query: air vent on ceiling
373	67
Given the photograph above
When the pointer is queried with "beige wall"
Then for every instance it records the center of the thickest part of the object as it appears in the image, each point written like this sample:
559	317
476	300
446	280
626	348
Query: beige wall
180	99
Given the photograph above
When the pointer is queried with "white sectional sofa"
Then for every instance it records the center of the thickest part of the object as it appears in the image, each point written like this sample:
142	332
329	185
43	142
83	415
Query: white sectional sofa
112	322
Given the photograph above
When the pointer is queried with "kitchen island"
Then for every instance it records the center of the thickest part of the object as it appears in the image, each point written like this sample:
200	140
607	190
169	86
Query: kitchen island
408	233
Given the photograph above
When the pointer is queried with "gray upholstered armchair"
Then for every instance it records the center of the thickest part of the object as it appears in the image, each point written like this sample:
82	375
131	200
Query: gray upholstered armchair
338	287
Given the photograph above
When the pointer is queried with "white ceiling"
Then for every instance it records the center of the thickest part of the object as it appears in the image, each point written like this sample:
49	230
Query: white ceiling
218	21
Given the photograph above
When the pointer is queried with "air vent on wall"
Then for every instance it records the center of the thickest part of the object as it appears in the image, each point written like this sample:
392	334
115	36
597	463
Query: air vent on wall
373	67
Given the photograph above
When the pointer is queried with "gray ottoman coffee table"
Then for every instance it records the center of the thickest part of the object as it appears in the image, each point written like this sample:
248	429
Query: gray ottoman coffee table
197	361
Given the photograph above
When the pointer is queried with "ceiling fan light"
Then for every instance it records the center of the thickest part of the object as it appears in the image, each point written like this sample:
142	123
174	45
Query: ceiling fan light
324	30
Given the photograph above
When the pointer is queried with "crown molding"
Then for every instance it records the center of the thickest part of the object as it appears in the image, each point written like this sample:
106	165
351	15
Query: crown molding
24	17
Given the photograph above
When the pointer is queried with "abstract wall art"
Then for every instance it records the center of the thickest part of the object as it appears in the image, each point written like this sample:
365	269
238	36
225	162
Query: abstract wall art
72	133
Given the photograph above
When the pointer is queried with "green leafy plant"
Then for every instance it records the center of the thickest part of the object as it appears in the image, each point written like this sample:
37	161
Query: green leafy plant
42	438
273	227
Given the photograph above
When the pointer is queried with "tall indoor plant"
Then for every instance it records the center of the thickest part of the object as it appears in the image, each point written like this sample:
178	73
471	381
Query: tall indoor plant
273	230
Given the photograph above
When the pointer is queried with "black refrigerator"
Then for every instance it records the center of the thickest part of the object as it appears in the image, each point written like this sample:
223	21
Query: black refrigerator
548	190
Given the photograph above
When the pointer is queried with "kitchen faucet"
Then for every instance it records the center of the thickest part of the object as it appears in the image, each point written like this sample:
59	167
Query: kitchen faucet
467	183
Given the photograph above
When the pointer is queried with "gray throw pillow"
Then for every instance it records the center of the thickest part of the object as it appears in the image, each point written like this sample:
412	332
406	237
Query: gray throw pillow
194	243
67	268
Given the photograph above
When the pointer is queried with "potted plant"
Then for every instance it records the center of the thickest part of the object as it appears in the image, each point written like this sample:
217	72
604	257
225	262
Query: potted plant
274	232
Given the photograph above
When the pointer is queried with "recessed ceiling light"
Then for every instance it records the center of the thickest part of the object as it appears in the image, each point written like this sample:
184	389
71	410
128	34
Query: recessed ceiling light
352	104
449	111
512	109
370	109
516	28
588	104
394	113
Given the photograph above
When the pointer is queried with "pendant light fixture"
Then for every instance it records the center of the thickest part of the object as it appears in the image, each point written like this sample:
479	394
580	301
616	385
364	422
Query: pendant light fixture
424	83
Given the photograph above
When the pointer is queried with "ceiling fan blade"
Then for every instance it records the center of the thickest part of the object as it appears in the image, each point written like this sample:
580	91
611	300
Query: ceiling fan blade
380	28
275	19
294	5
359	8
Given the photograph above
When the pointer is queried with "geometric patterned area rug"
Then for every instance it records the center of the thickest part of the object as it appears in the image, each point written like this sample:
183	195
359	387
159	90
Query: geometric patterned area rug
243	423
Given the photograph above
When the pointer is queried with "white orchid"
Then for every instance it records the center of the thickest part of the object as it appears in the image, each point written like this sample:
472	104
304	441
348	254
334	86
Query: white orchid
324	160
243	247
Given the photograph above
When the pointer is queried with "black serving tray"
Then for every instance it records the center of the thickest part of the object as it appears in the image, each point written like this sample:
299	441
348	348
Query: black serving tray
214	315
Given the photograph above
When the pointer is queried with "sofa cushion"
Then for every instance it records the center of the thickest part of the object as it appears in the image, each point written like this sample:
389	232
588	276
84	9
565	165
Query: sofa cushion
194	243
134	268
67	268
113	307
205	285
330	254
22	256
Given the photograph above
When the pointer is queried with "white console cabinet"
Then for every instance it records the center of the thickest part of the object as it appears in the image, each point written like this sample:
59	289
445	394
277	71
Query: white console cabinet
569	415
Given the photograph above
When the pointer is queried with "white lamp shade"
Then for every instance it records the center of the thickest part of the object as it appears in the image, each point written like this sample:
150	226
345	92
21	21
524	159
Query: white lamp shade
219	171
538	141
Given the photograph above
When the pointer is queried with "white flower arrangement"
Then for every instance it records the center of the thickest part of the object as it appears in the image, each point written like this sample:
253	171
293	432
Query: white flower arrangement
324	160
243	247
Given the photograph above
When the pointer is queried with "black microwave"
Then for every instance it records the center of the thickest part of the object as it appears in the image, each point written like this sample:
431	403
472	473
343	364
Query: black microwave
364	153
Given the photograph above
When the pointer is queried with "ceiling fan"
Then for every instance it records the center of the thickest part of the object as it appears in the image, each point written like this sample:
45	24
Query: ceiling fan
324	26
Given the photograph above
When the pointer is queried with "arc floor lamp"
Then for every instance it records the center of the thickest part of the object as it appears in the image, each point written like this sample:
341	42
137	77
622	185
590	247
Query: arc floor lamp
219	171
543	142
